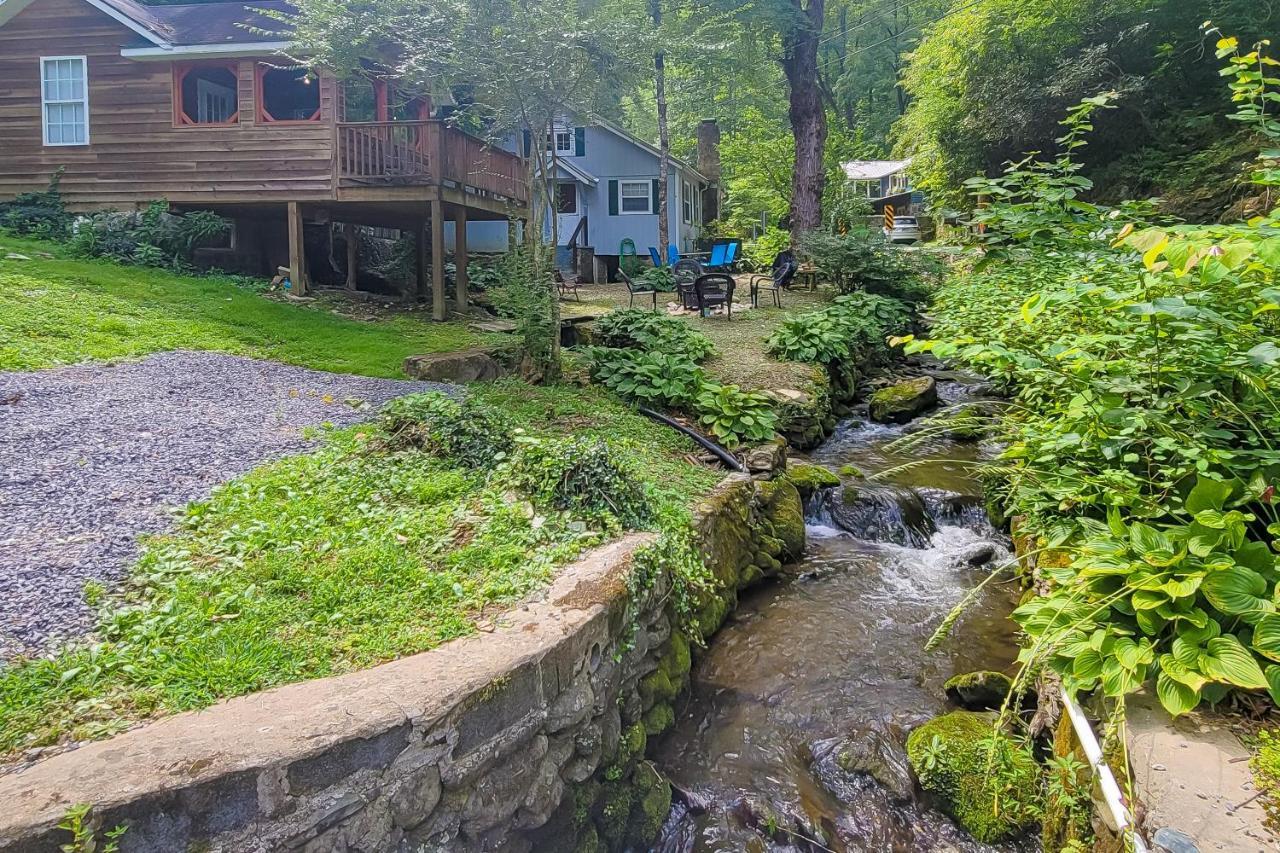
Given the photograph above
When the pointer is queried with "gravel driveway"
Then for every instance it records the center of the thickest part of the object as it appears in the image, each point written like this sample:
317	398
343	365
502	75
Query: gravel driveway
92	456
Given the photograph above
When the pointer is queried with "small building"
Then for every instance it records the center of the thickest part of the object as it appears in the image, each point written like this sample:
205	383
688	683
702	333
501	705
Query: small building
878	179
196	105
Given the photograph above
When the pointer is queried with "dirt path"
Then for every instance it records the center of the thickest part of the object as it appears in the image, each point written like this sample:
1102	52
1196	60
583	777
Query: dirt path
91	456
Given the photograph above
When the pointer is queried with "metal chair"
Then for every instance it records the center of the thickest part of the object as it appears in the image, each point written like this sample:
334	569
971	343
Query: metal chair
780	277
714	289
634	290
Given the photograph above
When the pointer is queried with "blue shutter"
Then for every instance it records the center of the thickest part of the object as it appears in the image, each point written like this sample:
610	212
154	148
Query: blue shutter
579	141
528	143
655	197
613	198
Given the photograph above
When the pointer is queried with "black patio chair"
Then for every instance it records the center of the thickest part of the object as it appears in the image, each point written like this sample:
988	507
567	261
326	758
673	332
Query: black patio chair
687	269
712	289
780	276
635	289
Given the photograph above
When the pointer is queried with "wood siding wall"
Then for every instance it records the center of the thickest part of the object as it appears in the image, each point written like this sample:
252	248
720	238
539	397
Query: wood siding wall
135	152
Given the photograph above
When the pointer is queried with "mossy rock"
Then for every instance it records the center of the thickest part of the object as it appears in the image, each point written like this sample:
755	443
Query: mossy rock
585	795
751	576
810	478
589	841
712	615
649	811
632	744
614	811
678	659
901	402
1066	821
851	471
992	795
658	719
785	513
657	687
984	690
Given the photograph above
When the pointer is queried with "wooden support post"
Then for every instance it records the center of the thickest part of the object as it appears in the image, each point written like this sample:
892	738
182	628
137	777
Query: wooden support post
297	251
439	310
460	259
353	253
420	241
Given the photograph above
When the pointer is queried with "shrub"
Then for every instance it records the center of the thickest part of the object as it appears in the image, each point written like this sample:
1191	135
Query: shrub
854	326
735	416
153	237
1266	774
469	433
39	213
580	475
760	252
661	279
635	328
649	378
816	336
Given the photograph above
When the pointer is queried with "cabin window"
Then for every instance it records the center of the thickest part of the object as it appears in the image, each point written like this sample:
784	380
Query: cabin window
64	95
637	196
287	94
686	201
567	199
205	94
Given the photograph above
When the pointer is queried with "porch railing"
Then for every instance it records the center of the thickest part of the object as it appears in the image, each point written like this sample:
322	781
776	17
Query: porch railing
431	151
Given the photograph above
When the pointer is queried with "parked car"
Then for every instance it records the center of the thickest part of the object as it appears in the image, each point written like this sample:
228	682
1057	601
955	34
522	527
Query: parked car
905	230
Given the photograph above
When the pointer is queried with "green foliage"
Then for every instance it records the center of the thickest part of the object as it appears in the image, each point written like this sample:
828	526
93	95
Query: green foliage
647	378
341	559
979	776
761	251
854	327
661	279
735	416
863	260
1141	445
38	214
464	431
635	328
81	823
1266	774
581	475
63	311
527	294
153	237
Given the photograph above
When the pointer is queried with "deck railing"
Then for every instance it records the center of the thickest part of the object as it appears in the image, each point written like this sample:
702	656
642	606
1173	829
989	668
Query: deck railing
428	152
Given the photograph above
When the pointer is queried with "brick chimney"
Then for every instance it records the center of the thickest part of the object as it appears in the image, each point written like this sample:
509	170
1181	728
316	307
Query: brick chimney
709	165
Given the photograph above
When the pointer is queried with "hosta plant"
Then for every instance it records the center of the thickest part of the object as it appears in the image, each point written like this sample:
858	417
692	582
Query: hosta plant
649	378
735	416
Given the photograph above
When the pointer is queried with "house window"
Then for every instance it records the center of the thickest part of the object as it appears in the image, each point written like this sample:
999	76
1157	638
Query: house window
287	94
567	199
898	183
686	201
64	94
637	196
562	142
205	94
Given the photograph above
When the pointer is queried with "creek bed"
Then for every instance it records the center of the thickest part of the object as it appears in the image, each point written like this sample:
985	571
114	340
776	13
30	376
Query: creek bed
834	660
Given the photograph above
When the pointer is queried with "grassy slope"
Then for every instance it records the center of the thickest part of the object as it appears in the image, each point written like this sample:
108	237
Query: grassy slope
61	310
329	562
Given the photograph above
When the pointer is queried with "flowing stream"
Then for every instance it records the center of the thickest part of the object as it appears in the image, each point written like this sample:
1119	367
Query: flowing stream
831	663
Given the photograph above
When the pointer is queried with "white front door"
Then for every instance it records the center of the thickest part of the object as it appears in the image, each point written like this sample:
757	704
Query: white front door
568	210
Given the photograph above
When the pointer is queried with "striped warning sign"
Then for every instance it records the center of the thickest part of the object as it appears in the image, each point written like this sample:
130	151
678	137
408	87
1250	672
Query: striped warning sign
888	216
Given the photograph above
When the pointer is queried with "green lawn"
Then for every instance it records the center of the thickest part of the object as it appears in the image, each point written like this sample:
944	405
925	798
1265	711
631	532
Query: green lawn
328	562
61	310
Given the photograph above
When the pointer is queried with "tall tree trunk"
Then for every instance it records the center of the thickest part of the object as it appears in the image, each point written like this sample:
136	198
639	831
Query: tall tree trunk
808	119
664	136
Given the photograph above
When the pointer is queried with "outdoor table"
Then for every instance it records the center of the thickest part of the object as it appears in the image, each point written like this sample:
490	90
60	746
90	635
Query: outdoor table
688	296
808	275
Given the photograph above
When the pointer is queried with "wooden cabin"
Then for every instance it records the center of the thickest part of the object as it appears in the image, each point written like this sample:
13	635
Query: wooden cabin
195	105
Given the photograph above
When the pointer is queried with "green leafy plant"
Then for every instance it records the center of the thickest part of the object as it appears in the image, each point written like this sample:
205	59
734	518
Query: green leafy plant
1265	764
735	416
854	326
635	328
465	431
582	475
861	259
661	279
39	214
83	826
760	252
649	378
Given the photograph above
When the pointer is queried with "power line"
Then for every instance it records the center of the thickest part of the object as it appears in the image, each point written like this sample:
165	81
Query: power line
957	10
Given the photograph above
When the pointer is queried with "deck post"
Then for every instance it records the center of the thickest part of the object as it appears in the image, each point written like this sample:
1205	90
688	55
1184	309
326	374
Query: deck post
439	311
297	251
420	242
460	259
353	252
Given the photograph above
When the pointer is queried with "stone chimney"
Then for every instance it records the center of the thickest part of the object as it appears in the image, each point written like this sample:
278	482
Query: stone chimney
709	165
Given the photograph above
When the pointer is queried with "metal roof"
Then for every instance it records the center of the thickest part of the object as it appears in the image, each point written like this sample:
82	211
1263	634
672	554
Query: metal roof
873	170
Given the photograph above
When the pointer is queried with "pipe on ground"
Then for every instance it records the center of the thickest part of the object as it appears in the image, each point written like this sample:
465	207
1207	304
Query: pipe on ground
730	461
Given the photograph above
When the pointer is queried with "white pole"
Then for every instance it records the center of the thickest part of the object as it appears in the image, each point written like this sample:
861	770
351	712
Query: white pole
1106	779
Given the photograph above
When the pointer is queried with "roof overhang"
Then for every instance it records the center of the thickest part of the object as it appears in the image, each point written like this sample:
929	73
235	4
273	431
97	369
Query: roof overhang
635	140
10	8
205	51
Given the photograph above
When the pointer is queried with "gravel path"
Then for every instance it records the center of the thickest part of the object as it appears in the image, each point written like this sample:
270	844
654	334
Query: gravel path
94	455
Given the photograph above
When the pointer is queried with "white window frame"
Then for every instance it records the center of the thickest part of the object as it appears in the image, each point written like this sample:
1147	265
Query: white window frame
686	202
647	183
45	102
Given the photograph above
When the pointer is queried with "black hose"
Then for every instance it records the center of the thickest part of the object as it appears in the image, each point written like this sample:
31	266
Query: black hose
730	461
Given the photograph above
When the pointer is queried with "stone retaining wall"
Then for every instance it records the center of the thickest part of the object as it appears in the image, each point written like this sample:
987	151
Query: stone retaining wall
530	737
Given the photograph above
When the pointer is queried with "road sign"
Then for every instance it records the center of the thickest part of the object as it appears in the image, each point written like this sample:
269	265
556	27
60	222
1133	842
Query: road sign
888	216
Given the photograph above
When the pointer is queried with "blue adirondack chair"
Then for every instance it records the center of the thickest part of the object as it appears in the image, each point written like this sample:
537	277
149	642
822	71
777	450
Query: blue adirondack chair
673	254
654	256
718	252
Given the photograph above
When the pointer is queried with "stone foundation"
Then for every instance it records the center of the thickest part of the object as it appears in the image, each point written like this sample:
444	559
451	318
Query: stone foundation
530	737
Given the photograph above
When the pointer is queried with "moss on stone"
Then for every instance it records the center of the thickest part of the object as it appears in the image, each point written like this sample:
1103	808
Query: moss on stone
810	478
786	513
983	690
658	719
1067	818
589	841
632	744
751	576
851	471
712	614
679	657
585	795
656	687
901	402
978	776
649	811
614	811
